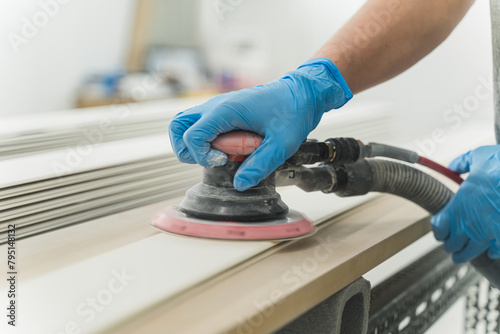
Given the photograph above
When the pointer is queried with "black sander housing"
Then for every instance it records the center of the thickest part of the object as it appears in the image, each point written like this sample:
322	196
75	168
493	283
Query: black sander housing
216	198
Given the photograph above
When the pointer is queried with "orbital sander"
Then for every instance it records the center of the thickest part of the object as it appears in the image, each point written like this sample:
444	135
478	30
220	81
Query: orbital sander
215	209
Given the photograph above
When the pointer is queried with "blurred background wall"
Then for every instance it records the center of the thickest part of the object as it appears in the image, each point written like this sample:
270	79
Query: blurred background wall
255	41
81	38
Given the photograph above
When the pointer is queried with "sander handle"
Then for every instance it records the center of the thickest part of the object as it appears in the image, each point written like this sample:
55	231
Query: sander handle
237	145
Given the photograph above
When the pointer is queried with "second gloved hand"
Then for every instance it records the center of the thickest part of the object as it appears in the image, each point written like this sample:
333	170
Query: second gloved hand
284	111
470	223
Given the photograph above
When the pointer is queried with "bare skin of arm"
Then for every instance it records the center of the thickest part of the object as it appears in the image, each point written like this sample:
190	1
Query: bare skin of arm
386	37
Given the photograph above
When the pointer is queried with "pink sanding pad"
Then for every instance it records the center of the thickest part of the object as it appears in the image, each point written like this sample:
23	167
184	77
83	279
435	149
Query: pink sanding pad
293	225
237	144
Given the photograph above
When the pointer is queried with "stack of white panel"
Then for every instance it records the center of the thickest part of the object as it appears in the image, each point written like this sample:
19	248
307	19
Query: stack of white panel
47	203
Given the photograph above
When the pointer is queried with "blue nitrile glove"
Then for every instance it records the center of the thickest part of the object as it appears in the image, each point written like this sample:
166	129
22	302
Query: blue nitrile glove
283	111
470	223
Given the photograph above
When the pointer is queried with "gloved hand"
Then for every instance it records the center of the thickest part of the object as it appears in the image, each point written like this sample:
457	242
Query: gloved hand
470	223
283	111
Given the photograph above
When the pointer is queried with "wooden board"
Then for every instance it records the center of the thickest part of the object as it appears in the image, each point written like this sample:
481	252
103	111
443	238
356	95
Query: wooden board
177	279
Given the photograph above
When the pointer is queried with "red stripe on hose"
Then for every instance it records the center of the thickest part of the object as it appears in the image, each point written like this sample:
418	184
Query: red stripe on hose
440	169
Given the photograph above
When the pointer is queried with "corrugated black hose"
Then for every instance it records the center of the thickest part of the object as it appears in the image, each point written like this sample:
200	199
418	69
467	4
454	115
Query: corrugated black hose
405	181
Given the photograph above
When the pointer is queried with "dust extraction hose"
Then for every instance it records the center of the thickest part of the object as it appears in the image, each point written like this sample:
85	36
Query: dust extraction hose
402	180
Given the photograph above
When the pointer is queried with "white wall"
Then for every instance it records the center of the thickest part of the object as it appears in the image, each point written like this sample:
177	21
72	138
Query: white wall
82	37
264	39
447	77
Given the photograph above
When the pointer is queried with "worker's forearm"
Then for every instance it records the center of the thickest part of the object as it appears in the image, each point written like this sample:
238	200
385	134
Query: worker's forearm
386	37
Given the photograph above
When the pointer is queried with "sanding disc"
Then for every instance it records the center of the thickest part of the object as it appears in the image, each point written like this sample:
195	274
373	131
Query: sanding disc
293	225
